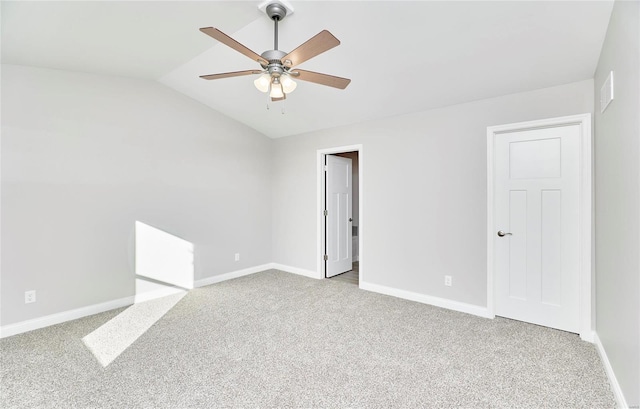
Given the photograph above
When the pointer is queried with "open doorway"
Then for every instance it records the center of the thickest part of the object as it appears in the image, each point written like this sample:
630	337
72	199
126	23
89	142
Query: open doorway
340	209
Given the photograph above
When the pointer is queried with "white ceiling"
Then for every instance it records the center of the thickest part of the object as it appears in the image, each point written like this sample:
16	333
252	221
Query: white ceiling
401	56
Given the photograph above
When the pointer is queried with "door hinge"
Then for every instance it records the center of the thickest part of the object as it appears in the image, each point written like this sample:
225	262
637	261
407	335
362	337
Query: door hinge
326	213
325	168
326	257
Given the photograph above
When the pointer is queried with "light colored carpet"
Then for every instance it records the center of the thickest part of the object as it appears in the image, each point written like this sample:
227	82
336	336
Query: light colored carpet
275	339
111	339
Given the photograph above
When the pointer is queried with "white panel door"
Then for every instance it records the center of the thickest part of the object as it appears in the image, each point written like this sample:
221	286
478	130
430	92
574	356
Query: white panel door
537	226
339	193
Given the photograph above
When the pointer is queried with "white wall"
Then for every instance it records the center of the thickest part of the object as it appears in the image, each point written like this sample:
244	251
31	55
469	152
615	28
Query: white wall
617	200
423	191
84	156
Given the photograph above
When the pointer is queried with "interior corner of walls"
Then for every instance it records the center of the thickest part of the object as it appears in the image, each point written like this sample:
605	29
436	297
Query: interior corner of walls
621	402
252	270
476	310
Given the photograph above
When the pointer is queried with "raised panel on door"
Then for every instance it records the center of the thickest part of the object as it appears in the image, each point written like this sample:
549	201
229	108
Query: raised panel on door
551	249
517	244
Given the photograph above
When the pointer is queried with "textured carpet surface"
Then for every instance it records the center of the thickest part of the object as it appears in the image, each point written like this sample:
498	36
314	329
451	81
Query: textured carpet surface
275	339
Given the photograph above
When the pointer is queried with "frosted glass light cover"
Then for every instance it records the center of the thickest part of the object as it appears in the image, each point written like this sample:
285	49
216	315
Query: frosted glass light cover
262	83
276	91
288	85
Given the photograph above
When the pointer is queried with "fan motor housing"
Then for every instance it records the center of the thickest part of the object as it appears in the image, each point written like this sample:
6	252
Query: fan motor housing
275	66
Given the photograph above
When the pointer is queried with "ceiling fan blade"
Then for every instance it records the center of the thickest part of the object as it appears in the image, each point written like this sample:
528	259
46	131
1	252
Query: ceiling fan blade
322	79
225	39
229	74
316	45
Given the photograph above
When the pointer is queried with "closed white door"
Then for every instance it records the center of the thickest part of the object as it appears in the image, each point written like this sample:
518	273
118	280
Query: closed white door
338	218
537	226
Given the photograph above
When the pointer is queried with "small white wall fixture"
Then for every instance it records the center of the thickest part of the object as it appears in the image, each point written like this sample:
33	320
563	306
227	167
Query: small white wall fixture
320	192
585	209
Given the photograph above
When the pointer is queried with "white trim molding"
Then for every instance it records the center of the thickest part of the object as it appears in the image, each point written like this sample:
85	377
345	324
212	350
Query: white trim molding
159	293
295	270
621	402
59	318
427	299
586	200
233	274
252	270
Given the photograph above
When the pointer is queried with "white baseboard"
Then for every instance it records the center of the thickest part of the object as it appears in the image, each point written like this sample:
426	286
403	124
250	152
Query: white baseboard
295	270
427	299
253	270
233	274
53	319
161	292
588	336
621	402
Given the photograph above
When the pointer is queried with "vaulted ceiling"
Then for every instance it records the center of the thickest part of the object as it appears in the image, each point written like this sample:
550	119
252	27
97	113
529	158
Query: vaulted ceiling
402	56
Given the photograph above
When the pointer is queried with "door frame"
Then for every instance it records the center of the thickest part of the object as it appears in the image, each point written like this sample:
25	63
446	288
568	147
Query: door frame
585	271
320	193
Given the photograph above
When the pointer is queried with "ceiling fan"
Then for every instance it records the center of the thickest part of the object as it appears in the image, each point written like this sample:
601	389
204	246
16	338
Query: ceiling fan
278	70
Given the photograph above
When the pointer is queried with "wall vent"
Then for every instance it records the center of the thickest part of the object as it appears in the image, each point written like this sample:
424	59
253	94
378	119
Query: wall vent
606	93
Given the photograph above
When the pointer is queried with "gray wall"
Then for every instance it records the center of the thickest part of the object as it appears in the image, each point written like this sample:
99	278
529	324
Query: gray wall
84	156
423	190
617	200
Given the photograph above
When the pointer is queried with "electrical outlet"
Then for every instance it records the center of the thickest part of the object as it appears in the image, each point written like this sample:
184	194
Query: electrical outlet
237	256
448	281
29	296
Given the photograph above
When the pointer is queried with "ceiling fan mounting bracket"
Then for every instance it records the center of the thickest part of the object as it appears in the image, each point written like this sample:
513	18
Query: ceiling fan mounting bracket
284	8
276	11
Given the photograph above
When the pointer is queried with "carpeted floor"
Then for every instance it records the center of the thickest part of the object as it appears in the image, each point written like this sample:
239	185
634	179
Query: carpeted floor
274	339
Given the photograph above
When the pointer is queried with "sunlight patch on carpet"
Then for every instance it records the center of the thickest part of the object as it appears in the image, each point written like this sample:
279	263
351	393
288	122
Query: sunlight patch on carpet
113	338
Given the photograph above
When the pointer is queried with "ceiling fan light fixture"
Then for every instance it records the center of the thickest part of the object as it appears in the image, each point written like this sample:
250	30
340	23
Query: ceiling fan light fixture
276	89
288	85
276	79
263	82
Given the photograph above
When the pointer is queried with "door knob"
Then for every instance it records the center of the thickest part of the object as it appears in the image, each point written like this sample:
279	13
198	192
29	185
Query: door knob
502	234
350	219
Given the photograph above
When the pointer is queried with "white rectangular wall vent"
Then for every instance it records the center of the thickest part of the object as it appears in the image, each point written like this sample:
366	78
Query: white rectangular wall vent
606	93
